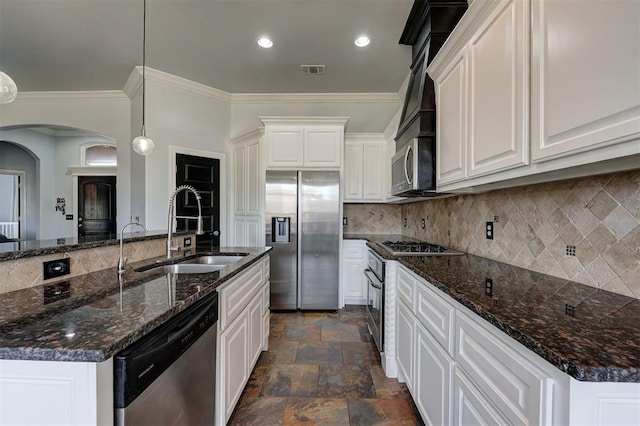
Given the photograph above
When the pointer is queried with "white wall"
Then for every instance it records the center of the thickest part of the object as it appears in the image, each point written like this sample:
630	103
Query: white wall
364	117
105	113
181	118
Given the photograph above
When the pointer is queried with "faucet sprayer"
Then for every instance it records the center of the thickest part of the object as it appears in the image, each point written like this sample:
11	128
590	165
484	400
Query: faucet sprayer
172	217
122	261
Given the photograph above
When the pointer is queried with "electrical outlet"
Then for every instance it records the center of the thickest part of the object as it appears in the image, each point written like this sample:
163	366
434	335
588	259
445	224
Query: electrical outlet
423	223
488	287
56	268
404	222
187	241
488	231
345	221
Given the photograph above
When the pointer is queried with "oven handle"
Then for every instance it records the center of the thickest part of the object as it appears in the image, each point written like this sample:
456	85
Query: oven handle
373	280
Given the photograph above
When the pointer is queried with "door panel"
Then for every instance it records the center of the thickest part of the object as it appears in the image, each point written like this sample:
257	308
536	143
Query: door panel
96	206
204	175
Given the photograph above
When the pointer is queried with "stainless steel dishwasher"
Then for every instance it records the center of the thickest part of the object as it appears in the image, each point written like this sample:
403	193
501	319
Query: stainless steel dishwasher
168	377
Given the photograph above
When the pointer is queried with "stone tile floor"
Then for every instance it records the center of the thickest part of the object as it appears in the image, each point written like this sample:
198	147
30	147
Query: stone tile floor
322	368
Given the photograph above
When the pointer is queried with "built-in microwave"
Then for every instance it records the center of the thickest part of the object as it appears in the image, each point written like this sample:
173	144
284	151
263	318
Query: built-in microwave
413	169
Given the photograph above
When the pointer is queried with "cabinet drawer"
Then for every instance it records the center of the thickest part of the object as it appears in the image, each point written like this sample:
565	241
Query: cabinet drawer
406	288
353	249
436	315
238	293
471	408
519	390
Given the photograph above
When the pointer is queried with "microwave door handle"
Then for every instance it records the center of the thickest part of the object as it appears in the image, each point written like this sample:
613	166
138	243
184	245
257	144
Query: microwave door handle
406	159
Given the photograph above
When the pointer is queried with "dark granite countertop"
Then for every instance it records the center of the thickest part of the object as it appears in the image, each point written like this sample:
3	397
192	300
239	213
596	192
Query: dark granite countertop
88	318
588	333
30	248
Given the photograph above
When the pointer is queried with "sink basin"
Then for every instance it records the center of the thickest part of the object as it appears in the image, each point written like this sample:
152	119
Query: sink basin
191	268
213	260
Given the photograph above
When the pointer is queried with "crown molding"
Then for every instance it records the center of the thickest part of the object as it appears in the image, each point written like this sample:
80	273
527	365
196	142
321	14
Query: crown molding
134	83
277	120
254	134
100	95
252	98
353	137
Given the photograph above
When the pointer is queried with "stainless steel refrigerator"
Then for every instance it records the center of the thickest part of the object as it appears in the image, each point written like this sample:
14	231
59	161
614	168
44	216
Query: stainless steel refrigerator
303	227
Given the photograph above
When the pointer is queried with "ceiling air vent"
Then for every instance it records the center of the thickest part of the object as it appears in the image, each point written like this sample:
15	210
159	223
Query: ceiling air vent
313	69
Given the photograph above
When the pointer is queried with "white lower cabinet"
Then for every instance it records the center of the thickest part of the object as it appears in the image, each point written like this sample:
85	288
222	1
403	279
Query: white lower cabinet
405	336
471	407
433	370
462	370
354	284
242	335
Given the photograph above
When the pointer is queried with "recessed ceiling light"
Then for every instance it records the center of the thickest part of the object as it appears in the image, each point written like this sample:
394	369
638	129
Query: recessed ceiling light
362	41
265	42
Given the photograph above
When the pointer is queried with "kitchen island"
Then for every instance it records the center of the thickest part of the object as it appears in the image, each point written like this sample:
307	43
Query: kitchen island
531	347
57	340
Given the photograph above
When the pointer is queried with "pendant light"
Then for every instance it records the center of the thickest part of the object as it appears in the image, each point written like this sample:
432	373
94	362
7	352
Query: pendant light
8	89
143	145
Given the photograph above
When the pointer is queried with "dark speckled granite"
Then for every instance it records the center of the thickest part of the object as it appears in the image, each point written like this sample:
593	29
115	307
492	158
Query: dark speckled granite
94	321
30	248
600	342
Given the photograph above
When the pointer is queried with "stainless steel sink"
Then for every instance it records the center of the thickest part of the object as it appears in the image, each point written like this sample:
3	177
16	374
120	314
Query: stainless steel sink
198	265
191	268
213	260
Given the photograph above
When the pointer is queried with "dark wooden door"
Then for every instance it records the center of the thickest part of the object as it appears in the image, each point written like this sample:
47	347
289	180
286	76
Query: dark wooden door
96	206
204	175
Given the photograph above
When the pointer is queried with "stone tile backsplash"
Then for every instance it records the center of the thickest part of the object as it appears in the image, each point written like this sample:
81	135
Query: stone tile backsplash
599	215
372	219
27	272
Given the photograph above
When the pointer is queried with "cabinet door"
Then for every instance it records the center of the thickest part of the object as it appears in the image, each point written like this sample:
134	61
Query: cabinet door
234	364
372	176
433	375
470	406
239	180
405	340
240	231
518	390
498	65
585	72
353	281
322	147
253	186
253	232
353	171
255	329
451	125
284	147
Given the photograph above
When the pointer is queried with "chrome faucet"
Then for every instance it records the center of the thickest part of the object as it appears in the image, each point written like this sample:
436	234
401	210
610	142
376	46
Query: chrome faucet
172	217
122	261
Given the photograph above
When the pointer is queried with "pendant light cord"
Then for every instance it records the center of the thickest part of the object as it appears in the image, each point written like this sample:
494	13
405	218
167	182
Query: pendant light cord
144	49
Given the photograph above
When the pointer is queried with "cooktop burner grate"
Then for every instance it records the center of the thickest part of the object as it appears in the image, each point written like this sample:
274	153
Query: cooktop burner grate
417	248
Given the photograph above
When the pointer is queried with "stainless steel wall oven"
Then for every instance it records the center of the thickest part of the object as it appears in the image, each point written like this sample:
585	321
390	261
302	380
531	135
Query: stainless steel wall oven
375	297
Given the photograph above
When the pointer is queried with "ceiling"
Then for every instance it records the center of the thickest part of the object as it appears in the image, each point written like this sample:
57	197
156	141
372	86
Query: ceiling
70	45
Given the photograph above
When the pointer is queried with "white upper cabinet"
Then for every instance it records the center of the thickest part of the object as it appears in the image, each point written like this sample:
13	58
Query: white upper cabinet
284	147
451	122
304	142
363	167
529	91
585	76
498	60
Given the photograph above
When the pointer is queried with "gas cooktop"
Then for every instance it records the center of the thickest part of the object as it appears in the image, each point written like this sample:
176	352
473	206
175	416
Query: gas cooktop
417	248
